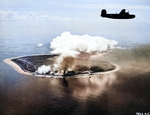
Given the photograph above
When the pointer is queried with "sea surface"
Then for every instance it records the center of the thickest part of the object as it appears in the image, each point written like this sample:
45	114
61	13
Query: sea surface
125	92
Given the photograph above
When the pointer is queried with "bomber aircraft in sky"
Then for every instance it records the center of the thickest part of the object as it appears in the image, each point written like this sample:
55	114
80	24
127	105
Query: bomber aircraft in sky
121	15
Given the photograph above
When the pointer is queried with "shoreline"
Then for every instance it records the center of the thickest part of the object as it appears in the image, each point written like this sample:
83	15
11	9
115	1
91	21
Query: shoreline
19	70
15	66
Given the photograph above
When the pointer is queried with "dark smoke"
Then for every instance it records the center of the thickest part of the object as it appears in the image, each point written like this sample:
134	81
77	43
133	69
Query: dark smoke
136	59
67	63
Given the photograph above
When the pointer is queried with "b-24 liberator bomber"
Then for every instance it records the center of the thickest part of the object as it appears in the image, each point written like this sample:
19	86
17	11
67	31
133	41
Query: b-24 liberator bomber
122	15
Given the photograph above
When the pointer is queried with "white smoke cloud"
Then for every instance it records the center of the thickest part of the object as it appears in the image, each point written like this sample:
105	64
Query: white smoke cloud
74	44
49	70
71	46
43	69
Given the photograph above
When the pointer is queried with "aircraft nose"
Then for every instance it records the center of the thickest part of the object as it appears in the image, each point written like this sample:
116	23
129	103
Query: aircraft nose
133	16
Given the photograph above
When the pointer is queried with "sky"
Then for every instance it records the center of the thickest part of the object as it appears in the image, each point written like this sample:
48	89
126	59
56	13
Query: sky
46	19
68	9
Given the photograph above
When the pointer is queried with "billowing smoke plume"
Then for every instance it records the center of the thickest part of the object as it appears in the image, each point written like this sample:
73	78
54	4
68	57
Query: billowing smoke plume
43	69
50	70
70	47
74	44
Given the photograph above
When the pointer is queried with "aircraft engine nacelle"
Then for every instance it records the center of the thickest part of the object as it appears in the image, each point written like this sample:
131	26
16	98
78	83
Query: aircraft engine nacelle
103	12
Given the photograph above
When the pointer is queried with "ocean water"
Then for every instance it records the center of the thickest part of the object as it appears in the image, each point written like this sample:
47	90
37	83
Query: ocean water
124	92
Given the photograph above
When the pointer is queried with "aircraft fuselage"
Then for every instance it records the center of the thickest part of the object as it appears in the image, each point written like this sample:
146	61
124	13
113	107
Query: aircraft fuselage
118	16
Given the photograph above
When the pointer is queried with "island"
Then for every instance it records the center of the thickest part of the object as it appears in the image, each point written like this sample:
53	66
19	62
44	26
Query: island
30	65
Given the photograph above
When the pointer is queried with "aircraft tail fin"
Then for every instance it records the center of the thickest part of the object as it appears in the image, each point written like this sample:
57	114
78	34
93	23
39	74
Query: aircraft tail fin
103	12
122	11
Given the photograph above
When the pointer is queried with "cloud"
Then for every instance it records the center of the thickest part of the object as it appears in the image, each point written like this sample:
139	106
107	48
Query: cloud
7	14
30	15
74	44
108	6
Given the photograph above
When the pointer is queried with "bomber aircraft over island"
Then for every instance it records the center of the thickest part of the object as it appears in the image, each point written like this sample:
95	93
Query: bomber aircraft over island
121	15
